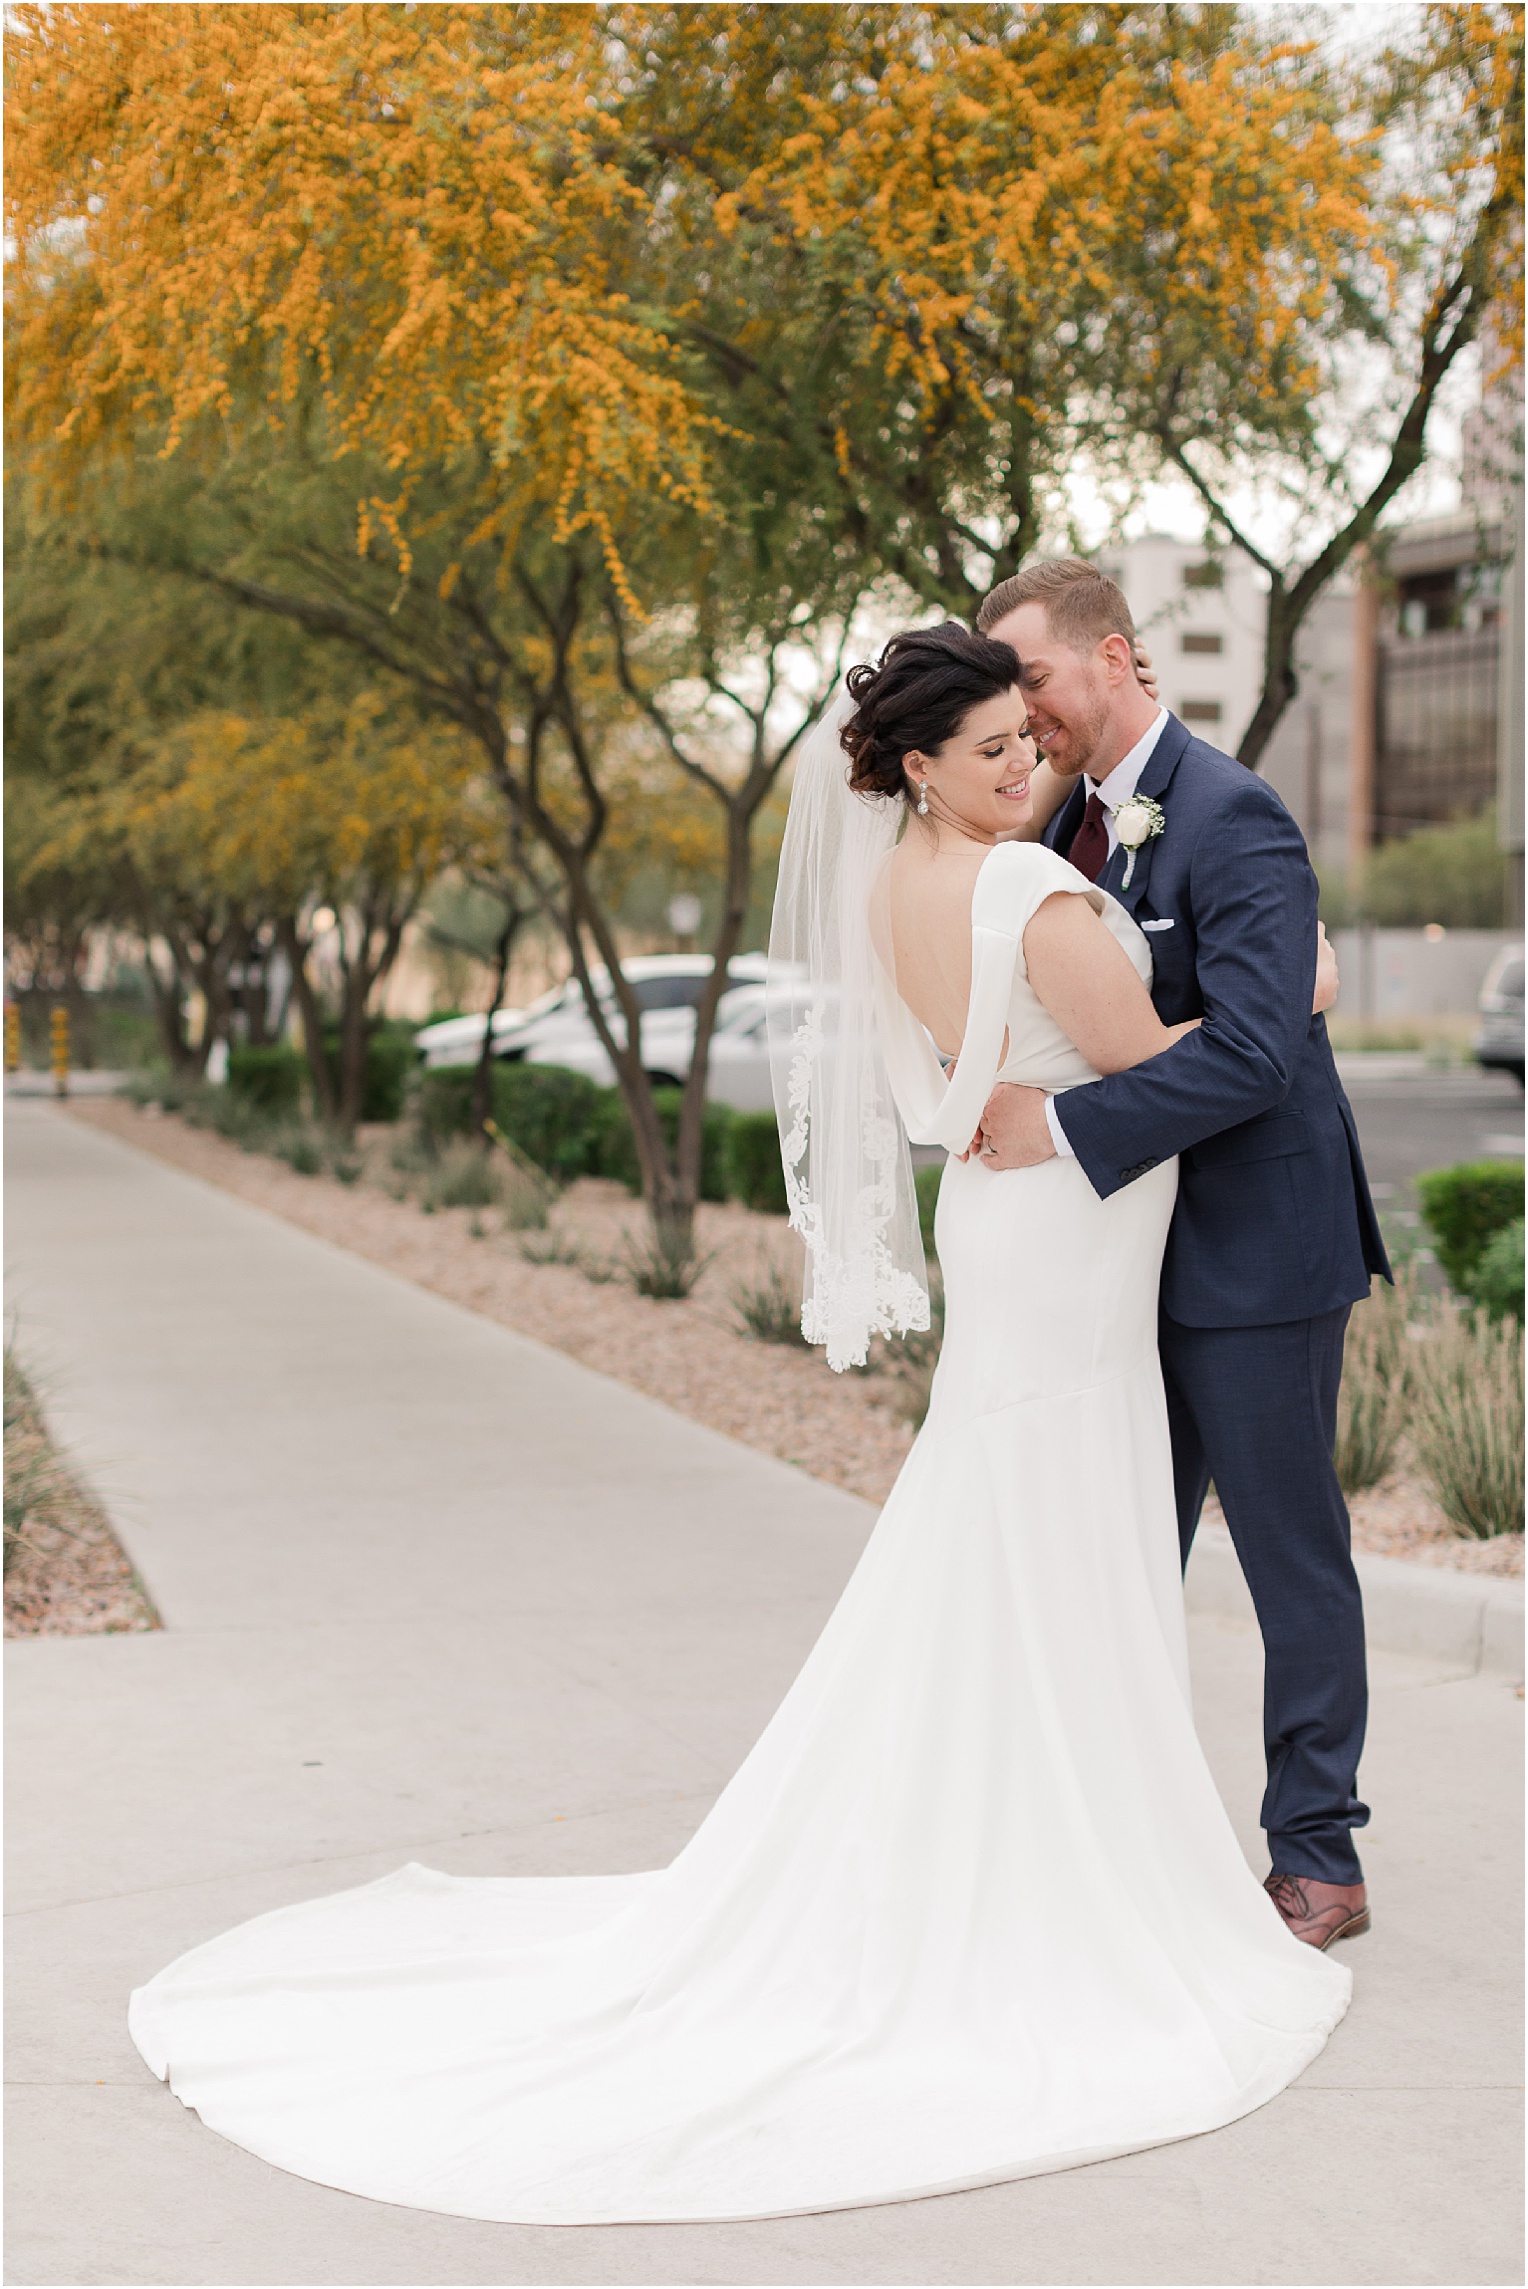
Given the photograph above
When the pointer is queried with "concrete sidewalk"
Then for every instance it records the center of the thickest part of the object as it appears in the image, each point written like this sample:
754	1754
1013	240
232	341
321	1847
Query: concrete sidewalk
433	1592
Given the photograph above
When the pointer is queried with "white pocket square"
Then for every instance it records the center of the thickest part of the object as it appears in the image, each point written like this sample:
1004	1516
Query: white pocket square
1157	925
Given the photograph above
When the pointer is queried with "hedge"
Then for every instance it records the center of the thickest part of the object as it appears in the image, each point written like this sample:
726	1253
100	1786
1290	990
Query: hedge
616	1147
390	1060
756	1175
571	1127
550	1113
1496	1282
267	1080
926	1182
1466	1207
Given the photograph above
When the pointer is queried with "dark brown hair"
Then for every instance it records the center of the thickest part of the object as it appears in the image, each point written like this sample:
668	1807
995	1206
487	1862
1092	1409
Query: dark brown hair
1082	605
917	695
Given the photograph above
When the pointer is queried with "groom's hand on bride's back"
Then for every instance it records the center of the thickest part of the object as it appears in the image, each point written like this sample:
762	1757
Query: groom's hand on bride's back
1014	1130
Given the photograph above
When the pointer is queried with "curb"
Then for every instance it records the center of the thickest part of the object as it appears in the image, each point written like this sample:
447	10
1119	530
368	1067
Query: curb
1472	1621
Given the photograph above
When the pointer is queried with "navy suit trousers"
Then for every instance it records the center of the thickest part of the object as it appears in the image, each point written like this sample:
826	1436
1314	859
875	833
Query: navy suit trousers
1255	1409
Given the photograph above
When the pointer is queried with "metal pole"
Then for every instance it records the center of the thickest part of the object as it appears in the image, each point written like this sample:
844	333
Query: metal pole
60	1043
13	1037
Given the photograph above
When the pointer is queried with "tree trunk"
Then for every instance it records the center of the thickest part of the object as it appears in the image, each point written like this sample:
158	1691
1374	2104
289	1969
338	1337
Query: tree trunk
482	1079
1281	682
319	1074
355	1038
673	1226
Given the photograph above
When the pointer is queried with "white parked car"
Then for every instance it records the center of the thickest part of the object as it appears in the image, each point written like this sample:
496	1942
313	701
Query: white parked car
737	1070
556	1030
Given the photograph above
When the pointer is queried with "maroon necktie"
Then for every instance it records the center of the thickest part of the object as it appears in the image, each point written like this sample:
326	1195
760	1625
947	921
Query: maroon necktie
1090	844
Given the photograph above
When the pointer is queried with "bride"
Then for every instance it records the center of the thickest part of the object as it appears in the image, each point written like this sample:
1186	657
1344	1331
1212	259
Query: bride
971	1908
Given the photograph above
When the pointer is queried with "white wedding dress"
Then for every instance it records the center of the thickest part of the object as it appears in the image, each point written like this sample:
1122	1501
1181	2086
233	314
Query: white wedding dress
970	1910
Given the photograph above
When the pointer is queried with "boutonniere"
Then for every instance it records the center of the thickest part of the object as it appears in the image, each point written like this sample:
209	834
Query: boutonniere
1136	823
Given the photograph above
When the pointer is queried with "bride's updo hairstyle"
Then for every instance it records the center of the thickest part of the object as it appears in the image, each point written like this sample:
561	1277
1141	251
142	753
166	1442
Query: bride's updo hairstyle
917	696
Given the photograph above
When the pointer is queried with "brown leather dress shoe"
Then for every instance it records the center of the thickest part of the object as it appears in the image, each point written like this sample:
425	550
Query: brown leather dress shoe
1319	1913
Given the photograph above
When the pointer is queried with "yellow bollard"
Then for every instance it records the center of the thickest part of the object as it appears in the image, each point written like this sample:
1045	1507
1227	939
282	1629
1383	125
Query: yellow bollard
12	1037
60	1034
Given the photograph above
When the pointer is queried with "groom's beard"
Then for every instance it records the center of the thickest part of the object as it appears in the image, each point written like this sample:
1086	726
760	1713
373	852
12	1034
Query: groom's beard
1080	743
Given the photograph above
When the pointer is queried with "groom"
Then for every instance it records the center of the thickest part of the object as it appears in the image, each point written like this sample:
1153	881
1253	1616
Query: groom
1274	1236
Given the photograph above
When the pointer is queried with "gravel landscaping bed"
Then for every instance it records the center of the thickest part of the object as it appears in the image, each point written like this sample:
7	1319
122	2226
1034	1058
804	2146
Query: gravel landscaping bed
66	1574
691	1354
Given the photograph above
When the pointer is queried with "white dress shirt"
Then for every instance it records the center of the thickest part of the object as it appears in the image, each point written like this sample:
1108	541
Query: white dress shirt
1113	792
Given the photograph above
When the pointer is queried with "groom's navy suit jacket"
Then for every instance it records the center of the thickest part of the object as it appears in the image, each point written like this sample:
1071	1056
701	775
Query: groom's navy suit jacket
1274	1221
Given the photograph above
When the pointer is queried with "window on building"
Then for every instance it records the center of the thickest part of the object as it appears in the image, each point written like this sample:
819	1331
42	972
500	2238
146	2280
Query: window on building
1464	596
1210	574
1199	642
1200	711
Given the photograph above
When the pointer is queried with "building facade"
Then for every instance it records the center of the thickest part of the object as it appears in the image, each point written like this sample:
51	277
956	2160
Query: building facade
1398	721
1201	617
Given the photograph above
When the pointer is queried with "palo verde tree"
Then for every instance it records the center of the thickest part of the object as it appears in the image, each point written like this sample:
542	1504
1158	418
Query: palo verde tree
334	823
100	661
1445	117
1139	237
207	780
584	369
405	257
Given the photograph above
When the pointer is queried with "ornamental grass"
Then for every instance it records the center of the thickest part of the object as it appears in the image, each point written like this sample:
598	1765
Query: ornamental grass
1467	1418
1376	1377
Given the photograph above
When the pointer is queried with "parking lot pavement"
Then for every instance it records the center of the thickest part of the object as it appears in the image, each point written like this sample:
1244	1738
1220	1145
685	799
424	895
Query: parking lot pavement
1413	1117
433	1592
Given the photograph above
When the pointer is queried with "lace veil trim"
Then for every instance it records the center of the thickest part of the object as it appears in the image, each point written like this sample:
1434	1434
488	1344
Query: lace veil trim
848	1169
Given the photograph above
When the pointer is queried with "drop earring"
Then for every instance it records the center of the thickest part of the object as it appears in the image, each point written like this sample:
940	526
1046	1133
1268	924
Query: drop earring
923	798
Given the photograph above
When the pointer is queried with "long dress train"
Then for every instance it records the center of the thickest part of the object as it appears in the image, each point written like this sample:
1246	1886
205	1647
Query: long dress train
971	1908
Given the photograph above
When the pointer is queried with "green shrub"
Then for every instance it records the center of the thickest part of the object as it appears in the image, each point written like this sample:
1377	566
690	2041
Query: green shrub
615	1151
1466	1207
754	1171
568	1125
390	1061
550	1113
1454	874
926	1183
612	1148
1496	1283
1467	1419
715	1144
270	1080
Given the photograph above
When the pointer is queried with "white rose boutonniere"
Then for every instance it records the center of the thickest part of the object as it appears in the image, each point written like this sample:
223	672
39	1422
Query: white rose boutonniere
1136	823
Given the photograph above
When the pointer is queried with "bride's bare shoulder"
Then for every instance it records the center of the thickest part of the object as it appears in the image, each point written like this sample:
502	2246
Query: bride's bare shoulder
939	876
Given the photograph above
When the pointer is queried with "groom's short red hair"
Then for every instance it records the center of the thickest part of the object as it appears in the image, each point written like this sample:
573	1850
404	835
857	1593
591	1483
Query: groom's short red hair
1082	605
